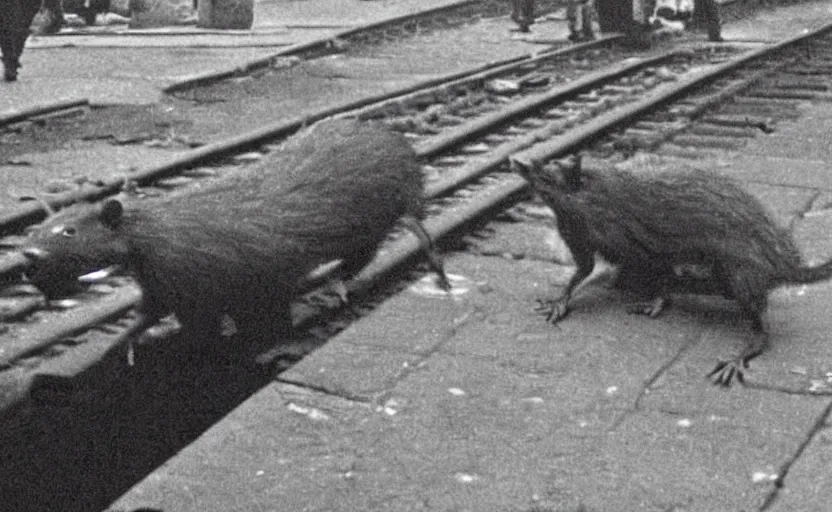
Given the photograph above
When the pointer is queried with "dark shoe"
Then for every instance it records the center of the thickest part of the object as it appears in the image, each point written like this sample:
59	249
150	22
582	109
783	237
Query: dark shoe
580	37
55	20
10	70
523	24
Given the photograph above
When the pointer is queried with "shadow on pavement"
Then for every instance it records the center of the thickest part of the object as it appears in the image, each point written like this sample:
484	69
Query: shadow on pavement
78	444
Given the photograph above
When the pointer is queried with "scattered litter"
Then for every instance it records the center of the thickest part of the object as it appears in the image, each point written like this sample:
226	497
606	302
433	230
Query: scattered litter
501	86
533	400
63	303
428	287
321	270
665	73
157	143
337	44
285	61
612	390
816	213
465	478
311	412
457	392
481	147
228	327
761	476
536	80
531	336
251	156
98	275
259	472
816	385
684	423
389	407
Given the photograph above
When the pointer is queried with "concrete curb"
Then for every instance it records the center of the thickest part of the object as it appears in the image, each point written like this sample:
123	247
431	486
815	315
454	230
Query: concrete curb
311	46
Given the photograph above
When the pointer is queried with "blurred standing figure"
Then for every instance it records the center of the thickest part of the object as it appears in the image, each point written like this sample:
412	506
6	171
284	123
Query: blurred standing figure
706	12
54	13
15	18
579	16
522	12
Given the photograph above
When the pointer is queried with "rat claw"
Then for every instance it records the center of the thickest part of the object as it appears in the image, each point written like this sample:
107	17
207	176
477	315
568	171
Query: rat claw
724	372
444	283
728	377
553	309
719	366
727	371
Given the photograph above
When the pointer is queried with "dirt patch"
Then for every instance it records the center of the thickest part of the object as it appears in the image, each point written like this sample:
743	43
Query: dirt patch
119	125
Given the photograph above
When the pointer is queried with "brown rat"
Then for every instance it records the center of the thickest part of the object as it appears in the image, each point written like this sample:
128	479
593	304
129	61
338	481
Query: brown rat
243	246
652	222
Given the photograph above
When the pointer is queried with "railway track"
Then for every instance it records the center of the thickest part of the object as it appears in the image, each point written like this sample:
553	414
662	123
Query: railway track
489	116
395	29
466	129
548	106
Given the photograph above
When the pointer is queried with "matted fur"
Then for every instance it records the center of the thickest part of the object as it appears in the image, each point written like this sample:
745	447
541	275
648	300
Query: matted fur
240	247
652	221
687	216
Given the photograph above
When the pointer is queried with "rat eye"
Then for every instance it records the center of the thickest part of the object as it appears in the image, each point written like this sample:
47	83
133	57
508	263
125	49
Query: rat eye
69	231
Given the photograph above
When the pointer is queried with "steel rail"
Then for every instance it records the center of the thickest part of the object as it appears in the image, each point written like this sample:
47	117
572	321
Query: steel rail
465	131
22	216
489	198
15	116
394	254
563	144
316	47
407	246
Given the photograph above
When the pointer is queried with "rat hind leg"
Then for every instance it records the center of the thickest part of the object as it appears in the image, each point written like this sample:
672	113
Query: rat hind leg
751	292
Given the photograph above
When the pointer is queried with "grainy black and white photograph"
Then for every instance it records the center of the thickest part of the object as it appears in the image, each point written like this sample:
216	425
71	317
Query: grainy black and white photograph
416	255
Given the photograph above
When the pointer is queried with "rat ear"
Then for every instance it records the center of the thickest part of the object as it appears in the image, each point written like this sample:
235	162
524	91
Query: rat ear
111	213
522	166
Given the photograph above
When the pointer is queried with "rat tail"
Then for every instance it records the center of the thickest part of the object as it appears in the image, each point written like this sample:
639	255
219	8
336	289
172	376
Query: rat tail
808	275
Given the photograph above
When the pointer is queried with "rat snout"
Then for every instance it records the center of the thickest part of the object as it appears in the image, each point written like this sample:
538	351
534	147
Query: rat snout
35	253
